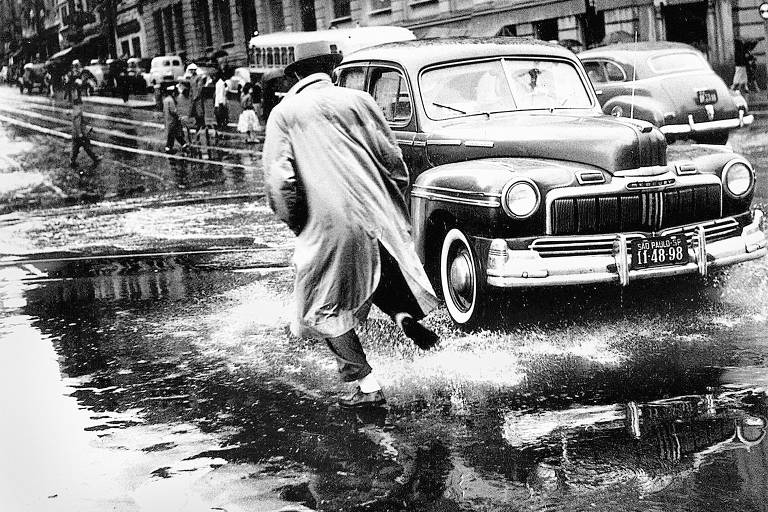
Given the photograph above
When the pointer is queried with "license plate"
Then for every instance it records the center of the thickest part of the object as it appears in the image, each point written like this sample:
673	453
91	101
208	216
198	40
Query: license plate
659	251
706	97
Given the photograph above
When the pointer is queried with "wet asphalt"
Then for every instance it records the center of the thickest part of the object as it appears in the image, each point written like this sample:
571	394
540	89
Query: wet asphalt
145	365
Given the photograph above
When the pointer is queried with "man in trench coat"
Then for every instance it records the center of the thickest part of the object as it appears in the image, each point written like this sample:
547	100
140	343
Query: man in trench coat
336	176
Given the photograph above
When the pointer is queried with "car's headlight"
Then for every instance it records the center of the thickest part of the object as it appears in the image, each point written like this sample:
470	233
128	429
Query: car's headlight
738	177
520	198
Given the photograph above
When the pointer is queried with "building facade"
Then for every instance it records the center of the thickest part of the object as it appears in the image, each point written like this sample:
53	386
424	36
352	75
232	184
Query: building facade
710	25
39	28
199	29
130	32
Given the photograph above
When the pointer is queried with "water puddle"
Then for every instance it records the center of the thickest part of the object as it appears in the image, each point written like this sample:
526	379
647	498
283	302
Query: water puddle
166	384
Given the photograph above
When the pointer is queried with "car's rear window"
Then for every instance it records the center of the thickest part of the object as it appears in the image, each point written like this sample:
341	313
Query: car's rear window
676	62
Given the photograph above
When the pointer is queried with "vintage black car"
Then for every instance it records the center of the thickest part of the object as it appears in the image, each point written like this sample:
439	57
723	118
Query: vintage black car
670	85
519	180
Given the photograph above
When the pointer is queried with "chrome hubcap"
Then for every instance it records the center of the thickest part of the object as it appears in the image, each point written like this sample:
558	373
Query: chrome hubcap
461	279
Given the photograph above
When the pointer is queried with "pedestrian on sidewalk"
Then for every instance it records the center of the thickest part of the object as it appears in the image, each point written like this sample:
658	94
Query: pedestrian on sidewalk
740	80
120	68
173	127
220	109
196	85
74	92
248	122
335	174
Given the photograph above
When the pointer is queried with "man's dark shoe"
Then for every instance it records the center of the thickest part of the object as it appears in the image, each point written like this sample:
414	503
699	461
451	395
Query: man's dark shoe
360	400
424	338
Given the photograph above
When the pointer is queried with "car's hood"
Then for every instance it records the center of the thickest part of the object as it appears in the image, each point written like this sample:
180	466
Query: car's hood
607	142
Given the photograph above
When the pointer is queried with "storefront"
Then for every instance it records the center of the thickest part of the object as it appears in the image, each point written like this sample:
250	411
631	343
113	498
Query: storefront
555	20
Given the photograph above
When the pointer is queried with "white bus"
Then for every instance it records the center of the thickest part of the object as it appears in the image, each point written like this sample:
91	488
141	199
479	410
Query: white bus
270	53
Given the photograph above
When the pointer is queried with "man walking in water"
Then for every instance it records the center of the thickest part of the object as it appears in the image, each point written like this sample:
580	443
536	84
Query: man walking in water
74	84
336	176
173	131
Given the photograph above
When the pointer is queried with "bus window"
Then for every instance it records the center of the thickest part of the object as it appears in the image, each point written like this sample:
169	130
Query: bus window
283	56
290	54
269	57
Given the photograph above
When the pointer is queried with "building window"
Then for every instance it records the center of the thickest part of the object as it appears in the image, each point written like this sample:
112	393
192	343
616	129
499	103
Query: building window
225	20
248	16
168	18
508	31
546	30
157	16
380	5
179	19
125	47
136	44
204	21
341	9
276	15
64	10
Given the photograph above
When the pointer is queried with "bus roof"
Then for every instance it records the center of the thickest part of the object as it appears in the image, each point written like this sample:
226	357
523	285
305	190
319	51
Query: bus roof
348	40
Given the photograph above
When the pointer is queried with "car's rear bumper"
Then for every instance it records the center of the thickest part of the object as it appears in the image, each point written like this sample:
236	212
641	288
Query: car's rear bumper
527	269
708	127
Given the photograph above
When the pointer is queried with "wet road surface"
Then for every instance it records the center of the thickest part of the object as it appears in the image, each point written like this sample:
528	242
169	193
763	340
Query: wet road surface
168	382
35	149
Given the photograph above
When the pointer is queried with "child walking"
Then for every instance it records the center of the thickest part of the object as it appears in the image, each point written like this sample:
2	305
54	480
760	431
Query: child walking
248	122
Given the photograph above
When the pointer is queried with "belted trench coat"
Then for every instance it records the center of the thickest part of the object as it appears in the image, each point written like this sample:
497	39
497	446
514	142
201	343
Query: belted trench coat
338	143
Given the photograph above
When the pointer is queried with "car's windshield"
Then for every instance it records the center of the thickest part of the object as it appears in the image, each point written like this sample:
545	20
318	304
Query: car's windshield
501	85
677	62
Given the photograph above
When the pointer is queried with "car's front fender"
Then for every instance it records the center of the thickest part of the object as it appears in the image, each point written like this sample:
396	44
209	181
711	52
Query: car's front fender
637	107
468	195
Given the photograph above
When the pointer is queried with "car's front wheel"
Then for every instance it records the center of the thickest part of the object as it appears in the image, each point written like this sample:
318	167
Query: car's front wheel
462	280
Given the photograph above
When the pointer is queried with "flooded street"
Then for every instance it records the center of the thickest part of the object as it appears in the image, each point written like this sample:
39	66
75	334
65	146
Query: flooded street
145	365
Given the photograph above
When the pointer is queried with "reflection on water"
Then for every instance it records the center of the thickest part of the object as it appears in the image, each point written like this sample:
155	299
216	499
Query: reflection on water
657	432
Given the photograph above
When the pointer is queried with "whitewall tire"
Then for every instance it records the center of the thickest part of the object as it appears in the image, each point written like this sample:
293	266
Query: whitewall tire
461	279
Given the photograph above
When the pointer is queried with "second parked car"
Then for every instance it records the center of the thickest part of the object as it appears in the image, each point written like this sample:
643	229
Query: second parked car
670	85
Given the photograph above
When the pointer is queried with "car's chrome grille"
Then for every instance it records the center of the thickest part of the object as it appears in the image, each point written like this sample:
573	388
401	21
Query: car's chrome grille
636	211
603	244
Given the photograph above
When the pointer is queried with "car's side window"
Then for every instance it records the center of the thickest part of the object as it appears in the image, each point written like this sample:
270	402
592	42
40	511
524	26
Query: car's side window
353	78
390	90
595	72
614	72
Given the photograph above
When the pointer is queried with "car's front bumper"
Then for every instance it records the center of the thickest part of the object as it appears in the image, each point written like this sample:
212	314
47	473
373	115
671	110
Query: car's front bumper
527	269
707	127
